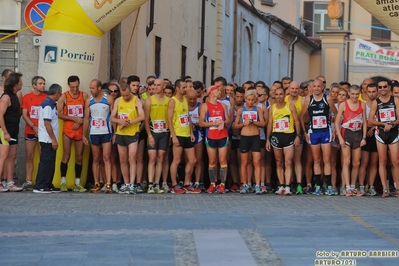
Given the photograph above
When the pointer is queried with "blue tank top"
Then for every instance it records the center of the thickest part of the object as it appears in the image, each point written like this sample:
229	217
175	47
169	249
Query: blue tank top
319	113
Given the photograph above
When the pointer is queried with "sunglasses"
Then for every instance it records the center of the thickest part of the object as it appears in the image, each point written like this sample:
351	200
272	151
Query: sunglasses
383	87
113	91
260	95
324	81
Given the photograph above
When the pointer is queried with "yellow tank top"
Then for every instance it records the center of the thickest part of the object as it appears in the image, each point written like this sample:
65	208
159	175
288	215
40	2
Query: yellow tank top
180	119
298	104
283	121
158	115
128	110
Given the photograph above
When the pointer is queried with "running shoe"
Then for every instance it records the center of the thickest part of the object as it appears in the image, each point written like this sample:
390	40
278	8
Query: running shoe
133	189
3	187
150	189
335	190
308	190
115	188
13	188
258	191
108	189
177	190
251	189
385	194
329	191
55	190
349	193
357	193
371	192
165	188
125	189
202	187
263	189
221	189
342	191
318	191
63	187
211	189
138	189
244	189
144	185
79	188
288	191
299	190
234	188
280	191
27	186
157	189
42	191
96	189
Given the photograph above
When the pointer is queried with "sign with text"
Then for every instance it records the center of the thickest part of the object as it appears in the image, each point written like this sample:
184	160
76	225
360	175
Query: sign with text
368	53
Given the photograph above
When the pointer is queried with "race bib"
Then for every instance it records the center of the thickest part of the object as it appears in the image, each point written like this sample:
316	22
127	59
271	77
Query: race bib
214	119
319	122
75	110
123	116
194	118
250	115
387	115
98	122
184	121
159	126
355	125
34	112
282	125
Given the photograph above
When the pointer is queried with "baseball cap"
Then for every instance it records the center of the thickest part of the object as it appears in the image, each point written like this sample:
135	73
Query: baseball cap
213	88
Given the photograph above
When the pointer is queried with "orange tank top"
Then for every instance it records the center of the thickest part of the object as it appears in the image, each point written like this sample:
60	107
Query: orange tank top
73	107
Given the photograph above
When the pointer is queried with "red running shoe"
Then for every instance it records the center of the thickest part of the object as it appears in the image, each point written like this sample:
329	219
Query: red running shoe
178	190
211	189
221	189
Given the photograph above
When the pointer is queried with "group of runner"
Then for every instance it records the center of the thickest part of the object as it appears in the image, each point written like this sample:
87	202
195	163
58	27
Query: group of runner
243	129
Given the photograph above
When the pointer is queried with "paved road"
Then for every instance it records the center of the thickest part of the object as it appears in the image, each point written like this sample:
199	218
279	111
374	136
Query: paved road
232	229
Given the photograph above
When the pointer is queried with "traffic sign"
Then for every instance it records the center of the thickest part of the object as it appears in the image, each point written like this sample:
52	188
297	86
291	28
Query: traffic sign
36	11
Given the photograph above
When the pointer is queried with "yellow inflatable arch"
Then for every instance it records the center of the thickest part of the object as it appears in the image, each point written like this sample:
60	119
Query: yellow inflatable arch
70	45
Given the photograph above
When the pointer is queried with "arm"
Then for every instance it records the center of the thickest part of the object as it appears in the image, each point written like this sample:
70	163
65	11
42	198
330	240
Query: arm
229	118
171	108
373	111
238	124
261	122
341	110
296	122
231	113
28	121
147	109
269	130
139	106
114	113
4	103
50	132
86	121
202	121
305	105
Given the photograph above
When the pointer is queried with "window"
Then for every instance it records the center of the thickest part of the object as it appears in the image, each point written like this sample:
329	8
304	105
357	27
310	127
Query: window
8	53
379	33
183	61
212	70
315	17
204	68
267	2
158	44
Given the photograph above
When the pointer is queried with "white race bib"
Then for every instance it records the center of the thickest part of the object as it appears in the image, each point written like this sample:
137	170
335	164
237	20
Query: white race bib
159	126
123	116
250	115
184	121
319	122
34	112
75	110
282	124
98	122
387	115
214	119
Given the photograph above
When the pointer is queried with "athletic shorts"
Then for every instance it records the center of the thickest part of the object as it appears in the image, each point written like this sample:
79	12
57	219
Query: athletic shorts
143	135
217	143
74	134
250	143
282	140
371	145
199	136
100	139
161	141
31	137
390	137
352	138
126	140
235	144
14	138
185	142
263	144
320	137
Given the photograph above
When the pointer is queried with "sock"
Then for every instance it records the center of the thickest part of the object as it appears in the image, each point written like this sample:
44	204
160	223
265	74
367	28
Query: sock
196	184
309	185
223	172
249	184
317	179
348	188
211	171
97	183
353	187
29	182
164	183
77	181
78	170
63	169
328	180
262	184
63	180
150	184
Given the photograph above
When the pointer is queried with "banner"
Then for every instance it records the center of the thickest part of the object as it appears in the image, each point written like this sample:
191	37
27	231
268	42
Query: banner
386	11
368	53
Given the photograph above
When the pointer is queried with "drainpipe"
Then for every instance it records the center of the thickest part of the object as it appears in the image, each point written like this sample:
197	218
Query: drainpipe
202	50
150	27
235	34
292	50
347	43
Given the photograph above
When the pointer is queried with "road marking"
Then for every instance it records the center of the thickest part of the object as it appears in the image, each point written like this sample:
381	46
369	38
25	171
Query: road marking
368	226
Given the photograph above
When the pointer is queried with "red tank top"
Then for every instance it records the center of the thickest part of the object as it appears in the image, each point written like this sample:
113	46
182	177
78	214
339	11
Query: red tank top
215	113
352	119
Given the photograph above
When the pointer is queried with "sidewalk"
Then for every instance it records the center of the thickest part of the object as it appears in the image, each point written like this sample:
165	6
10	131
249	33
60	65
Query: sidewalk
203	229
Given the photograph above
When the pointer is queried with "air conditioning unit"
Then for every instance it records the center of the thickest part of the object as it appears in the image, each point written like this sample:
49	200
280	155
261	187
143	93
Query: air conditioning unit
10	15
267	2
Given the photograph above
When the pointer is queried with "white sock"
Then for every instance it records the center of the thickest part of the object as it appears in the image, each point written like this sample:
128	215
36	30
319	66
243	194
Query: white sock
63	180
77	181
